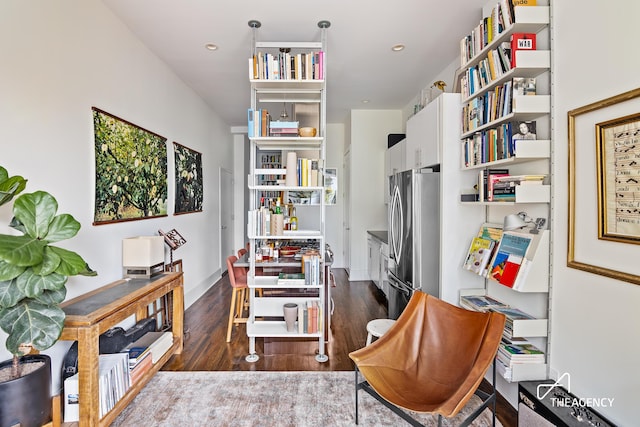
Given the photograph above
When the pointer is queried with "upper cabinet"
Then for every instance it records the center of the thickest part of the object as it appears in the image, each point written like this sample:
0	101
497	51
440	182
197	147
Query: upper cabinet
422	147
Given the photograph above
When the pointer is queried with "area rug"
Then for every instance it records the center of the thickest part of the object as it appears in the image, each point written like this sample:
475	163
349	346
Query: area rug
282	399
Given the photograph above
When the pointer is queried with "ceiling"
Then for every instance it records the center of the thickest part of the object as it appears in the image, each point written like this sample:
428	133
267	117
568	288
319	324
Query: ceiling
360	62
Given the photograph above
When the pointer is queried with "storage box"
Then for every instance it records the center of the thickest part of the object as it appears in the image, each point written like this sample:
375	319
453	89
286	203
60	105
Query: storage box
142	256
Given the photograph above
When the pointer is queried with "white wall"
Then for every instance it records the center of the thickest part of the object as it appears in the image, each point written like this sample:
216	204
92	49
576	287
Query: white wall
58	60
368	144
334	214
595	321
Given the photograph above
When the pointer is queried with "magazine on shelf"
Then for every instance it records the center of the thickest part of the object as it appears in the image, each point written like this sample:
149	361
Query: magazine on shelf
480	302
509	254
478	255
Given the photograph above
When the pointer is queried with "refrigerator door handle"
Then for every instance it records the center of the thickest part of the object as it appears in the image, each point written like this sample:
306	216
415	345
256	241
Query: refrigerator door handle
400	238
392	225
397	285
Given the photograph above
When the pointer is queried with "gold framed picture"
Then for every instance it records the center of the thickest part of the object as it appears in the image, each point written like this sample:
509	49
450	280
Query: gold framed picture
604	197
618	154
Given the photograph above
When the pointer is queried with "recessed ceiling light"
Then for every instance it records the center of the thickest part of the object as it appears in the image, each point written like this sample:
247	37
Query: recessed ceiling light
211	46
365	101
397	48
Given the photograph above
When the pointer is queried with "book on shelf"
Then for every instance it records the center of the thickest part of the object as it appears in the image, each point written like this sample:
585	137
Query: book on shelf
524	2
291	279
512	313
523	86
309	317
509	254
520	353
137	354
113	380
480	302
71	399
491	180
143	366
478	255
483	181
157	343
521	180
521	41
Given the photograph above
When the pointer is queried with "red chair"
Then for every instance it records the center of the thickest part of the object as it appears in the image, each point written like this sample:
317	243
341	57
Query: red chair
238	280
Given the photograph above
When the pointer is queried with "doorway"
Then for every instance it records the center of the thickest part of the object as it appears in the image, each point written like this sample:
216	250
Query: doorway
226	217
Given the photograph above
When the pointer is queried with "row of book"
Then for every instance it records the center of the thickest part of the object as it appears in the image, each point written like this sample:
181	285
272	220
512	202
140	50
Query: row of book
259	124
308	172
310	275
489	69
497	185
488	107
259	222
499	143
309	317
502	16
287	66
118	372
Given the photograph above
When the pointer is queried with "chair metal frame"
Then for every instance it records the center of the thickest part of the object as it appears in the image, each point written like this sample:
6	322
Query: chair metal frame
486	398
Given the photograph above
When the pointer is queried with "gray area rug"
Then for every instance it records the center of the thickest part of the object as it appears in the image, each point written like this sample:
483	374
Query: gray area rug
244	398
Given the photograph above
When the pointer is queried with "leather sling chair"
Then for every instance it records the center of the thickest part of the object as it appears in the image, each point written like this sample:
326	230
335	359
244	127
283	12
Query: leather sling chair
432	360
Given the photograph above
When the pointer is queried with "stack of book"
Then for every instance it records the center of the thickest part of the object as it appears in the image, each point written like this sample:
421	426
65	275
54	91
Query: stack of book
155	343
140	362
516	354
282	128
511	314
503	188
114	380
480	302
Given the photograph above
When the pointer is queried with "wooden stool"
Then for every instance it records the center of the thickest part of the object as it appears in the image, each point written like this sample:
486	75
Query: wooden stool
239	291
377	328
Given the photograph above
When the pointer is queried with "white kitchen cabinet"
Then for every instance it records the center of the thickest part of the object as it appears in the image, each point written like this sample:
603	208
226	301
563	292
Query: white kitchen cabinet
373	248
423	136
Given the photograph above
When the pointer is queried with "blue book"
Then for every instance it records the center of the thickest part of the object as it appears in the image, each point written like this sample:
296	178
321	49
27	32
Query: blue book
250	123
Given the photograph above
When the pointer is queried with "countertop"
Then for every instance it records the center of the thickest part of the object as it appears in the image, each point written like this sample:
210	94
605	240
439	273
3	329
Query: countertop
380	235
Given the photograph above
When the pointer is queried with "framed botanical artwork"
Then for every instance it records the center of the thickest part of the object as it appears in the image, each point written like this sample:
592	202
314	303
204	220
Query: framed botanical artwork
189	189
604	187
131	171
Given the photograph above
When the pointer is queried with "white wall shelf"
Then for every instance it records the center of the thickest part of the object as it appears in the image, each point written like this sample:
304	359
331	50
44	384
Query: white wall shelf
525	151
529	157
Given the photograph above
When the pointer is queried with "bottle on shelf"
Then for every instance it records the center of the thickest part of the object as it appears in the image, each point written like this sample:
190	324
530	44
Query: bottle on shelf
293	219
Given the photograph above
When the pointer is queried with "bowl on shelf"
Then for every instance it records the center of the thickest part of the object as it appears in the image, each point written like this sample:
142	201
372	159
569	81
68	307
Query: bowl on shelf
289	250
307	132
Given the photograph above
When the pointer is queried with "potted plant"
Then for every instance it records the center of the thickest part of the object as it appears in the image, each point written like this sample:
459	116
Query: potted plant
33	274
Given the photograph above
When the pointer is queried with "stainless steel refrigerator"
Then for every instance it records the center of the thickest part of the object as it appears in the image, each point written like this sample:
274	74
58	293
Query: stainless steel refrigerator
414	236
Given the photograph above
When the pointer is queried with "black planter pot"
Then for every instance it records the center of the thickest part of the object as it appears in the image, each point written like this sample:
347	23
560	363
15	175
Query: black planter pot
27	400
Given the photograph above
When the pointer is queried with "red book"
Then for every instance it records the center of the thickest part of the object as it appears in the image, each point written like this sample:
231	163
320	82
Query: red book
521	41
510	272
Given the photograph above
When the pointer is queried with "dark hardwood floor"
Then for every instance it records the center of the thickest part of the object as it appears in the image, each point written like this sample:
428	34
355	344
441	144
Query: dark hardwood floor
356	303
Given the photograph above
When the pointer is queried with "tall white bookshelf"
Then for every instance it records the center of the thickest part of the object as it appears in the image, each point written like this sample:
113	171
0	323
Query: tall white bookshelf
296	81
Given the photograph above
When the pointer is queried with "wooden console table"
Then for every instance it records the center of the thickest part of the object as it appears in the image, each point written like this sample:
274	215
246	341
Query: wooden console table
95	312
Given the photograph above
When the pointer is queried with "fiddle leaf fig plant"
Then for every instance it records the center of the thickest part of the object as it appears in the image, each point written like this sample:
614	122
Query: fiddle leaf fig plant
33	272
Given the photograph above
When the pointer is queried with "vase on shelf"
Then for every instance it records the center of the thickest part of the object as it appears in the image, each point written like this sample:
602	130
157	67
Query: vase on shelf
290	315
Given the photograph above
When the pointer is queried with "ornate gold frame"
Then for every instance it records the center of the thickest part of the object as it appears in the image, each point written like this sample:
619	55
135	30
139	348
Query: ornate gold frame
572	115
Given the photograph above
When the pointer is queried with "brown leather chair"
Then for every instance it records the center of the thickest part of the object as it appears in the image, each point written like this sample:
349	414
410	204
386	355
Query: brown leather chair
432	360
238	280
